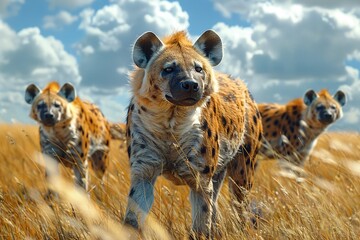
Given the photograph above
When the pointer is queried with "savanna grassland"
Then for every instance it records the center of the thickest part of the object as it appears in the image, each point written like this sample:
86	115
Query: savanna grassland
326	205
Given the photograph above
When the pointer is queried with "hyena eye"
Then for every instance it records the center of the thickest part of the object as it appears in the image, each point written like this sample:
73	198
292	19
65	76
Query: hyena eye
320	107
333	107
198	69
57	105
169	69
40	106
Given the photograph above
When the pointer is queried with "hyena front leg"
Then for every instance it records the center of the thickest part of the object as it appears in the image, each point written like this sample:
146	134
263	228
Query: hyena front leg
80	172
51	166
146	166
201	210
217	180
51	170
140	200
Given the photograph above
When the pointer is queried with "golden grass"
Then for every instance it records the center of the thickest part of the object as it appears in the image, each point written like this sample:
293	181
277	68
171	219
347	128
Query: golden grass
324	206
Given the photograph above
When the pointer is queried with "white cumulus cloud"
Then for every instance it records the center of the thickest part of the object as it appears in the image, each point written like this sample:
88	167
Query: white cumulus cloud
352	116
105	51
59	20
111	31
10	7
29	57
290	47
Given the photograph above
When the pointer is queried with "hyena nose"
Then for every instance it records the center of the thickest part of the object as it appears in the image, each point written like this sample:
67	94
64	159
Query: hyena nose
190	86
327	116
48	116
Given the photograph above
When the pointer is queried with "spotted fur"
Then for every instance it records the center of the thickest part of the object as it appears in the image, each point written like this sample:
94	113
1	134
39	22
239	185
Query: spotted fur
189	124
291	130
73	132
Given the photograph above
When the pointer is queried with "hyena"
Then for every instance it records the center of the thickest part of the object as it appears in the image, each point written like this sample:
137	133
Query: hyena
291	130
188	123
72	132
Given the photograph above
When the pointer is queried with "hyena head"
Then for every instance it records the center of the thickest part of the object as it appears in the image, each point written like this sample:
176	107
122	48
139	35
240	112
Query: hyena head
50	105
176	71
322	108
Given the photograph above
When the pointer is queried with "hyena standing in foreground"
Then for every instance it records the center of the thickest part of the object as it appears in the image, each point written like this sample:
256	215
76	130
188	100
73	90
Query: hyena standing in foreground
291	130
72	131
190	124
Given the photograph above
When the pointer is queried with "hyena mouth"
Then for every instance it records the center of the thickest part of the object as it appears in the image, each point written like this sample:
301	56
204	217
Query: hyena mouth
326	120
183	102
49	123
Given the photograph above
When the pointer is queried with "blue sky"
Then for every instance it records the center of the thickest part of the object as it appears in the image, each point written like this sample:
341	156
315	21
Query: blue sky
280	48
32	13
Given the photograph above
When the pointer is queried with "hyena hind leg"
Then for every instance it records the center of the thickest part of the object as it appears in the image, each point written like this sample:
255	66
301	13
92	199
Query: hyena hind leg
241	172
98	163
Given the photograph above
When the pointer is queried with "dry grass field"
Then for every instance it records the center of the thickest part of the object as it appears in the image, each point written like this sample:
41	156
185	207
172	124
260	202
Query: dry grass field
324	206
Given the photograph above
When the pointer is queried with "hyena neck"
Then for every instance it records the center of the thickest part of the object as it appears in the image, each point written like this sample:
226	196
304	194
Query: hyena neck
169	120
311	130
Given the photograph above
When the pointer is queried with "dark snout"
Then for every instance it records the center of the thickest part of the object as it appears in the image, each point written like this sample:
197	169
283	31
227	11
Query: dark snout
185	93
189	86
326	117
47	118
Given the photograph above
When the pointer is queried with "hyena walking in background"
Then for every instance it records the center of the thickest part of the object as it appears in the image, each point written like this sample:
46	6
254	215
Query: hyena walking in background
188	123
73	132
291	130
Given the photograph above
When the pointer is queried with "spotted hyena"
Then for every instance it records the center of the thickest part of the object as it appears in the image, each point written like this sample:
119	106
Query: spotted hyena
73	132
189	124
291	130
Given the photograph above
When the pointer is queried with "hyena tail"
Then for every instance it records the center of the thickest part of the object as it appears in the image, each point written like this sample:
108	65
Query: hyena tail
117	131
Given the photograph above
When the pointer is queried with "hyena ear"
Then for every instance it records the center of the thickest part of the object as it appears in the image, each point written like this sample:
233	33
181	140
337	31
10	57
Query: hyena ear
340	97
145	47
68	92
209	43
309	97
31	92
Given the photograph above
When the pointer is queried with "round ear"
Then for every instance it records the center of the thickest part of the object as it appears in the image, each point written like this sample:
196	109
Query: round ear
309	97
31	92
210	45
144	49
68	92
340	97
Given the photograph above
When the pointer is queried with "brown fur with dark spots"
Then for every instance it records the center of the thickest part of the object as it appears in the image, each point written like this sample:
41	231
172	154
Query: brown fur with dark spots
80	136
291	130
194	144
